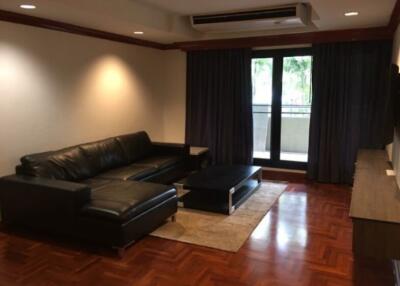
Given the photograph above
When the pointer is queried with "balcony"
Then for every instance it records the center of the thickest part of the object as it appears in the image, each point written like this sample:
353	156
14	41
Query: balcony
295	125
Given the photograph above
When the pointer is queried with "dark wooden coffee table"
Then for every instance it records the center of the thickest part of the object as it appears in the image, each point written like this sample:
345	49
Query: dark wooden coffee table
219	189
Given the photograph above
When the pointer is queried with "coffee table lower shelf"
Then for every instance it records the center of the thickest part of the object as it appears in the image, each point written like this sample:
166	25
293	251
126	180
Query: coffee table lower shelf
217	201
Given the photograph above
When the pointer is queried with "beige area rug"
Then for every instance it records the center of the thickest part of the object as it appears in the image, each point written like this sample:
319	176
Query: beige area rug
221	231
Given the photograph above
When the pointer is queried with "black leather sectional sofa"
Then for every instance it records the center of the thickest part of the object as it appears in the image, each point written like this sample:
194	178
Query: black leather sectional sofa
110	192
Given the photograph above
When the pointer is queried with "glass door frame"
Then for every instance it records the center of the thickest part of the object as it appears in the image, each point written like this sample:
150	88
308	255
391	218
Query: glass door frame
276	107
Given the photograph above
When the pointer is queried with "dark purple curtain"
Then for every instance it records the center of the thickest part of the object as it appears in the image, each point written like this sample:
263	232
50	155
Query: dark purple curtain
219	104
351	106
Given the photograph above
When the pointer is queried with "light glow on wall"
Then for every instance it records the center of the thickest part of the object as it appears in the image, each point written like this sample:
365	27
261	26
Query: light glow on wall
109	90
109	77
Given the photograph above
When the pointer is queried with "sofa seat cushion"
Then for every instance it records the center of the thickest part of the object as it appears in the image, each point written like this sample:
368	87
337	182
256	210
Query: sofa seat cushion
159	161
95	182
123	200
132	172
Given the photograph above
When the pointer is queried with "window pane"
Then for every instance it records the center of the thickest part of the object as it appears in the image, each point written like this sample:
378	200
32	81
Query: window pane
296	108
262	99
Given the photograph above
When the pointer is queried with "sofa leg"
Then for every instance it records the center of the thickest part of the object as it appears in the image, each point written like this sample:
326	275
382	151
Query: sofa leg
120	251
173	218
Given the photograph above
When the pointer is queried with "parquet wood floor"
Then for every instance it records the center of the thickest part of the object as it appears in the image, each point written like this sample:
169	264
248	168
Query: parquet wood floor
304	240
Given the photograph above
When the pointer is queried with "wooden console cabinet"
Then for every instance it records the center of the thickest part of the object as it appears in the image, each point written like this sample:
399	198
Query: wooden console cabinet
375	207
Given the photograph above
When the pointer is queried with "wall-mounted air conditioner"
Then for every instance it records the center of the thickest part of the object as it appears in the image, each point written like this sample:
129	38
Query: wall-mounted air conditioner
288	16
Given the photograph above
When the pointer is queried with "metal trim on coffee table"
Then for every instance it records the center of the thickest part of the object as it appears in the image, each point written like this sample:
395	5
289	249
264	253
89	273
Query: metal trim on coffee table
233	190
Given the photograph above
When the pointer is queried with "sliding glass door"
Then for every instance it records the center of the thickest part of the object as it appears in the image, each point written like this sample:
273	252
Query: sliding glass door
281	107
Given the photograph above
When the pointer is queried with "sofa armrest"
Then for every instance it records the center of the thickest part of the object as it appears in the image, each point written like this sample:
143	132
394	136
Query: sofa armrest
172	148
40	202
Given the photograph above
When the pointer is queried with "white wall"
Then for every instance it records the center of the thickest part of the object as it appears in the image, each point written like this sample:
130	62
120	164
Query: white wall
59	89
175	97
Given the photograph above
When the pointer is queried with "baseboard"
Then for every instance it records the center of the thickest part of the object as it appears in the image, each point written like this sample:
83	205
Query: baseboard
284	170
284	175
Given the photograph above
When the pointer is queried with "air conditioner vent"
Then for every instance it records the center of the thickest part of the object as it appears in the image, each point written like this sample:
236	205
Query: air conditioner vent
246	16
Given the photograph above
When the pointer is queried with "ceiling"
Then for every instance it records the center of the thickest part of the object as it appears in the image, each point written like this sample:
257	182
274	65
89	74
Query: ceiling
167	21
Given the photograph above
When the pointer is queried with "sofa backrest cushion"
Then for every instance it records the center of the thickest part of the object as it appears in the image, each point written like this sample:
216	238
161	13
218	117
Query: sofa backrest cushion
136	145
38	165
105	154
69	164
87	160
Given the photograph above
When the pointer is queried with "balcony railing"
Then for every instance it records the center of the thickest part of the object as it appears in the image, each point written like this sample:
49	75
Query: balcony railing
294	110
294	131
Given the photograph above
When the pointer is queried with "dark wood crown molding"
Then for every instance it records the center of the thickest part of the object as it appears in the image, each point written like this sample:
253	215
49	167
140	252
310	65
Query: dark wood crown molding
290	39
75	29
